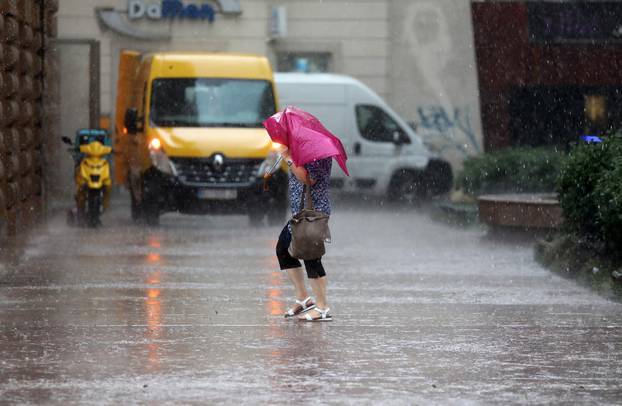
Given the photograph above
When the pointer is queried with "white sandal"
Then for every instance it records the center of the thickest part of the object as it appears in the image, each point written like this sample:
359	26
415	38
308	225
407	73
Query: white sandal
302	309
324	316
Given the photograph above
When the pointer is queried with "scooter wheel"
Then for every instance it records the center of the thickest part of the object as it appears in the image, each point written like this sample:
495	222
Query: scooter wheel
94	207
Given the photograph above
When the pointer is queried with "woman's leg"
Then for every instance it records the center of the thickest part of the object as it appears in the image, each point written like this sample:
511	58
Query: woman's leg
318	282
298	279
291	265
318	285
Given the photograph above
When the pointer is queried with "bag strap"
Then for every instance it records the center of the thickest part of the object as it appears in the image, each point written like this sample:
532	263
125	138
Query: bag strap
306	198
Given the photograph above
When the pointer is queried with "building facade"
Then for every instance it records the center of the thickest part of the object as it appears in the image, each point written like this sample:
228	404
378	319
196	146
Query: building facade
549	72
417	54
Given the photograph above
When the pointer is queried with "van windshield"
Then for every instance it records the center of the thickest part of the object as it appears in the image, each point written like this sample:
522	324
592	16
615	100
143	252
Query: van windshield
202	102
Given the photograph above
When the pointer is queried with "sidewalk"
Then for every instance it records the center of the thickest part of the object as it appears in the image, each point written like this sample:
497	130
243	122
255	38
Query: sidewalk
191	313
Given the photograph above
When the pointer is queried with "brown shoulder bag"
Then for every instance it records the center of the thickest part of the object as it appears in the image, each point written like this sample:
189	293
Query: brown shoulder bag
309	230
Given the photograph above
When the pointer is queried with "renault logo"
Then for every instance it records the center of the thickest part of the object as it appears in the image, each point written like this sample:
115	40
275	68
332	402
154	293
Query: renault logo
218	162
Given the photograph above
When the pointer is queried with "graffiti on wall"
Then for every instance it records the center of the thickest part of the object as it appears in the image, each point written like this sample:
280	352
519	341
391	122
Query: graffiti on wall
447	116
447	129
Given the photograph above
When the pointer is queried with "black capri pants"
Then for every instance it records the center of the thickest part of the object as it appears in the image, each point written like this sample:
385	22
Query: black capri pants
286	261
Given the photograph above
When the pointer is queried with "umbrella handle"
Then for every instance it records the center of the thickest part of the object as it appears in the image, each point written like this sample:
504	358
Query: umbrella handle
269	173
276	165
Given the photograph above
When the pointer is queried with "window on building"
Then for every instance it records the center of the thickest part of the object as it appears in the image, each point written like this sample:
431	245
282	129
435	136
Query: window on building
303	61
375	124
595	114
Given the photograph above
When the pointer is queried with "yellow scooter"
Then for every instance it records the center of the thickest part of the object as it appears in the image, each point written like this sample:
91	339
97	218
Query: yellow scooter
92	176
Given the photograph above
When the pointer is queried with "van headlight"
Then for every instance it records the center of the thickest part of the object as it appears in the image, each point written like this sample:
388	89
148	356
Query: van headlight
161	161
159	158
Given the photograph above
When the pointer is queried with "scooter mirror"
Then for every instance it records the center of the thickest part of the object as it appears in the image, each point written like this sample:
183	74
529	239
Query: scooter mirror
66	140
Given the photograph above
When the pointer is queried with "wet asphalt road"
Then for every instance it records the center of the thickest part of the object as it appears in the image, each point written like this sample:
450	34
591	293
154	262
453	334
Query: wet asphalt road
190	312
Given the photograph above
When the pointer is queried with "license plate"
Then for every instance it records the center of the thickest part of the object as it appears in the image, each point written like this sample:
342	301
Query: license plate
217	194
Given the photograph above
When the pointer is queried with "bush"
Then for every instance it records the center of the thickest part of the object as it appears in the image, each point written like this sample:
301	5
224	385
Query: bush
590	192
519	170
577	181
608	199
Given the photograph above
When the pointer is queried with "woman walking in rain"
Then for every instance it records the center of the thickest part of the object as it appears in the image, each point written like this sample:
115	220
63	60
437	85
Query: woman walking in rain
308	149
315	176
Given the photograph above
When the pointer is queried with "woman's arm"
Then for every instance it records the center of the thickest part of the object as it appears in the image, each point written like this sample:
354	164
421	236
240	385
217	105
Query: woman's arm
299	171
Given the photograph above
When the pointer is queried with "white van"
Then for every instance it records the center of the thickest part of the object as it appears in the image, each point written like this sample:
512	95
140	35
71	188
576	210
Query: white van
385	156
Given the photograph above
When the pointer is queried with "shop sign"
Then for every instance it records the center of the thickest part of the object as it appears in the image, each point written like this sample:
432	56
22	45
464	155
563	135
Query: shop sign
169	9
120	21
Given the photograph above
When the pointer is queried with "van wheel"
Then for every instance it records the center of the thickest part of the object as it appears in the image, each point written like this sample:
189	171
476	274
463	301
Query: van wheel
438	177
257	210
255	217
150	205
148	210
136	209
151	214
277	214
405	187
277	206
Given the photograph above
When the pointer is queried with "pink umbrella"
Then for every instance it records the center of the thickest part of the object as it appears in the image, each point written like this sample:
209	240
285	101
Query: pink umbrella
305	136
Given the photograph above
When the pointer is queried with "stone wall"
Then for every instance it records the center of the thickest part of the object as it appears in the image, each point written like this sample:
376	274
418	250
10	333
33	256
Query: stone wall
26	27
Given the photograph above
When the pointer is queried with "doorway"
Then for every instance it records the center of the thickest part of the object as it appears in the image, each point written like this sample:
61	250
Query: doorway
78	64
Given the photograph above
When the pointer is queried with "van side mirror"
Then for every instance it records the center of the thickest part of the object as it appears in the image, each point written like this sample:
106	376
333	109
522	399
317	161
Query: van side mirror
66	140
399	138
130	120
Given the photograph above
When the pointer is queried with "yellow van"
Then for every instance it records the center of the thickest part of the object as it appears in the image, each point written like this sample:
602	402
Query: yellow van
189	136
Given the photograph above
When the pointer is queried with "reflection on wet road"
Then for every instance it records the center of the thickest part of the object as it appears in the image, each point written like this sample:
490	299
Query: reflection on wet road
191	312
